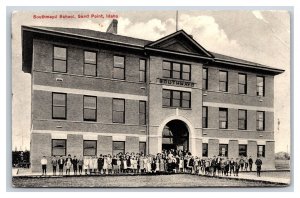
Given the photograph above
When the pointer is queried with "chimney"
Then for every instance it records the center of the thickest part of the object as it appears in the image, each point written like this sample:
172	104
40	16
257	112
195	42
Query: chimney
113	27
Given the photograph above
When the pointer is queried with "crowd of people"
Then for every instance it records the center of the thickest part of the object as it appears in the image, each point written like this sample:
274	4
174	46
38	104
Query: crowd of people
171	161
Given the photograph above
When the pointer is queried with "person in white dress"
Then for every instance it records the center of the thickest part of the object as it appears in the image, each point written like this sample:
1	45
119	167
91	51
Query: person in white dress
105	165
145	164
134	164
109	164
86	163
95	164
149	161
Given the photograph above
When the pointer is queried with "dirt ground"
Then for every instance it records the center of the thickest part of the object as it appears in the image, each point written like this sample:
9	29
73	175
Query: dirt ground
180	180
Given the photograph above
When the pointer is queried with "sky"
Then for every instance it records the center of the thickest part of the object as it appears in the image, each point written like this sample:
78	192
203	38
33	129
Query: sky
254	35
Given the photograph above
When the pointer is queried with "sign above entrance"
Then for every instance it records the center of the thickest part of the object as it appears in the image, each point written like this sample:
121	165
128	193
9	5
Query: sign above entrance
181	83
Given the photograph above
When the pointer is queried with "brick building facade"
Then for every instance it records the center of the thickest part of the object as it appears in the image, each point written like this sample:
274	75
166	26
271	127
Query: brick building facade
101	93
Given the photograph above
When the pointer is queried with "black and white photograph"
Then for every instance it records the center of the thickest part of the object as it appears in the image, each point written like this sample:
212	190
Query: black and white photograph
180	98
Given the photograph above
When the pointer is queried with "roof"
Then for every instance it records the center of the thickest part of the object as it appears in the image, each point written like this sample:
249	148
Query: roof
143	44
98	34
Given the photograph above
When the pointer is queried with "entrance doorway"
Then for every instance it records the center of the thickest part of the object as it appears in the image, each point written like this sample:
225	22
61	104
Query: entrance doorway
175	136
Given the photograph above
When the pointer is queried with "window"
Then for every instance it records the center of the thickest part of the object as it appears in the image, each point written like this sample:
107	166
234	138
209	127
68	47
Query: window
89	108
204	150
204	117
223	118
172	98
260	150
89	147
142	147
167	69
60	59
118	110
142	70
242	84
90	63
243	150
119	67
118	147
260	86
186	72
59	104
176	70
59	147
204	79
223	150
142	112
260	120
242	119
223	81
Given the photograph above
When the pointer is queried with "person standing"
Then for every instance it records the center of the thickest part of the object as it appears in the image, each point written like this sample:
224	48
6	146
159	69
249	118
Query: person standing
95	164
44	165
80	164
109	164
214	165
61	163
68	164
86	162
75	163
246	163
241	163
100	164
231	166
237	165
258	164
54	164
250	161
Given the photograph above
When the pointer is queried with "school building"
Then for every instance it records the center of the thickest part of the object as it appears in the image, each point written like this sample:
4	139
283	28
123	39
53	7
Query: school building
98	93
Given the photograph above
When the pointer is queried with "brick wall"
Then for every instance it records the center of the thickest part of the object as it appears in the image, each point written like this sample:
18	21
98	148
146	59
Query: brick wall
75	145
213	147
233	149
104	145
40	145
132	144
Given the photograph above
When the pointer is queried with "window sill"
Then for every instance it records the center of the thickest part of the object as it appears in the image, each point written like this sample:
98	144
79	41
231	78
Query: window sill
181	108
118	122
92	121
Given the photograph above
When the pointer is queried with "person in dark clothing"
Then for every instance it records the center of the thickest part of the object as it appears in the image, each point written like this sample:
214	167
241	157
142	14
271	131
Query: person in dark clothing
231	166
237	166
250	161
61	163
191	164
177	163
100	163
128	163
153	166
114	164
80	164
227	167
214	165
258	164
75	164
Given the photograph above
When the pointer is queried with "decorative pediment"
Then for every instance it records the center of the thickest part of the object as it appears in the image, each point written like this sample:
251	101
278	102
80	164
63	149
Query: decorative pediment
180	41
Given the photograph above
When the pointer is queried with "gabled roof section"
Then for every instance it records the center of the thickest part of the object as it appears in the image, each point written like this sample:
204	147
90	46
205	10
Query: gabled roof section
180	41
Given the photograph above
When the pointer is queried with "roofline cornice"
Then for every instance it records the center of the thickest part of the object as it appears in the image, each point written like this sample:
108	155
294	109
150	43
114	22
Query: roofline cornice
251	66
81	37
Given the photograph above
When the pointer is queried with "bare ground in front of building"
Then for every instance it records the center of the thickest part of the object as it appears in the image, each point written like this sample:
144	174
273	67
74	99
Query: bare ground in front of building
180	180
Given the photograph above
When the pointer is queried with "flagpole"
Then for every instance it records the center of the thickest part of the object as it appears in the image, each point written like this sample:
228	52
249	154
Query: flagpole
176	20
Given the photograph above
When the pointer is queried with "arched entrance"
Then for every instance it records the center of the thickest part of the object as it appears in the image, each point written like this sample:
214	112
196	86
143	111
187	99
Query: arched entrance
175	135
